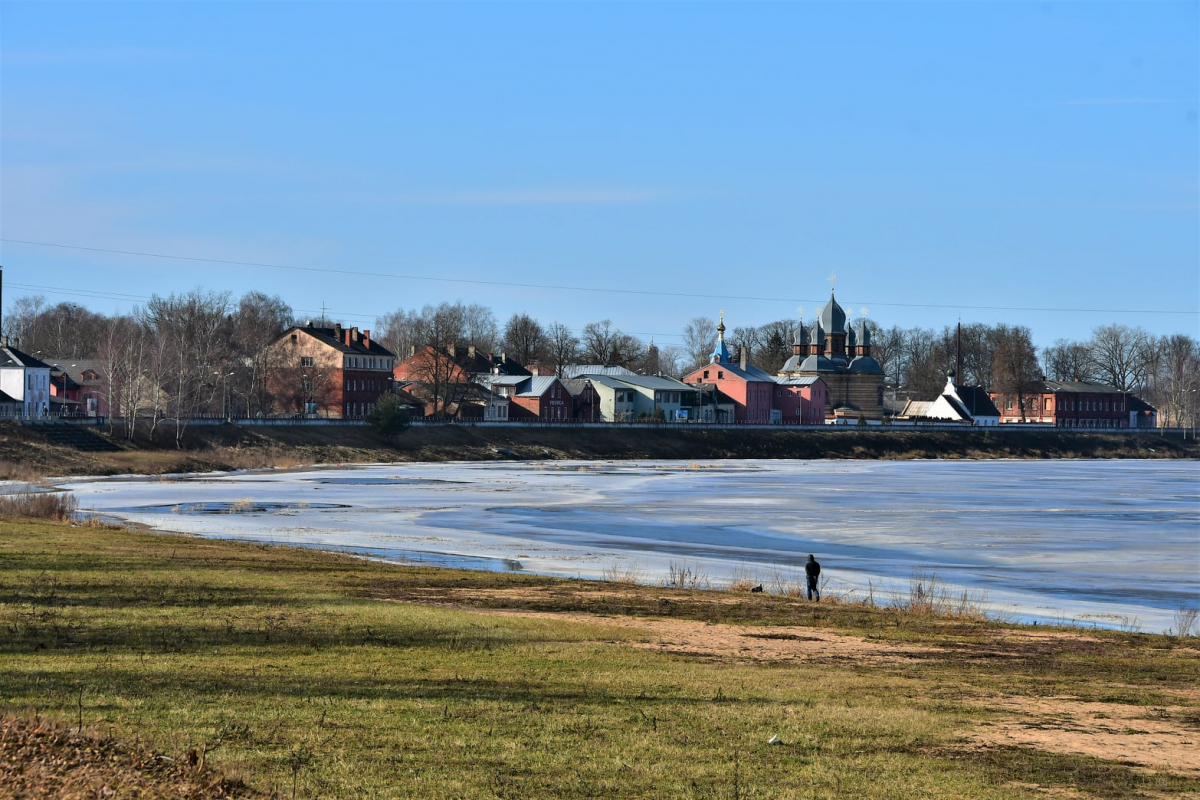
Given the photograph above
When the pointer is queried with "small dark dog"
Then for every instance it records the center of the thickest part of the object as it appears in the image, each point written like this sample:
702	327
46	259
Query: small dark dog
757	588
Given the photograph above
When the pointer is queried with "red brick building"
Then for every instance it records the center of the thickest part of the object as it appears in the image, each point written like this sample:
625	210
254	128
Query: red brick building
337	372
533	398
1067	404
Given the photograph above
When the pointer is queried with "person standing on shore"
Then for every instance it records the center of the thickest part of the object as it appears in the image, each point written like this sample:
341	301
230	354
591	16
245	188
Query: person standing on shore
812	571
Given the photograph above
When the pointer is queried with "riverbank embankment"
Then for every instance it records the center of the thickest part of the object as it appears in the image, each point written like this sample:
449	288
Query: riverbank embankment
27	452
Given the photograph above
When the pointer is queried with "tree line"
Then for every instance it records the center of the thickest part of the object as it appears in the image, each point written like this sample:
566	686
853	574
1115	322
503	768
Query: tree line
194	353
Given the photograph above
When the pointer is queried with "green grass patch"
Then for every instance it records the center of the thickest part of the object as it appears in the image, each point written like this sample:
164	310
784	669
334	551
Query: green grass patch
345	678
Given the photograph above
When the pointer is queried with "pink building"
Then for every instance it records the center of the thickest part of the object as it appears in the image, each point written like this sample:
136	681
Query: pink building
801	400
758	396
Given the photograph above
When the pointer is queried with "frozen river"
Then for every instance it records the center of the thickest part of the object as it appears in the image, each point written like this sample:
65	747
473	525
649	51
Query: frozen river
1112	543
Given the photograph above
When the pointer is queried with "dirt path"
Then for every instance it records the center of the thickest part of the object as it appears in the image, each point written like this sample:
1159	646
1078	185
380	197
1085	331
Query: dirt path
1161	738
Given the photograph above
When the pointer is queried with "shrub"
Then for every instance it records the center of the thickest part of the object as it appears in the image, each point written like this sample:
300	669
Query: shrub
388	417
41	505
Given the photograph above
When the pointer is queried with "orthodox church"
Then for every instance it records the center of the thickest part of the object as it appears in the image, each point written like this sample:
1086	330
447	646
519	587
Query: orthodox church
841	356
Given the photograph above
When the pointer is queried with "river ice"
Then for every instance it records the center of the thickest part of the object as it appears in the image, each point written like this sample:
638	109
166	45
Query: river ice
1110	543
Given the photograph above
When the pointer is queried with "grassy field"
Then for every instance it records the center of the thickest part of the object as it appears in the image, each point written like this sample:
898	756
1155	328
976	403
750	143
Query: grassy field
313	674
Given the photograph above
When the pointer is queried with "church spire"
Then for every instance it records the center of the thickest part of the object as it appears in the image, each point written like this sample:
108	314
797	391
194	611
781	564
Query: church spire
721	355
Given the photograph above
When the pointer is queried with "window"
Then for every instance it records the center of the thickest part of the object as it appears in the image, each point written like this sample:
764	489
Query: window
720	374
306	361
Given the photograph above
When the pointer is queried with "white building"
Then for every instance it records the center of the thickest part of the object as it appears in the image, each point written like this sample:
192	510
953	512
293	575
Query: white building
628	398
967	404
25	379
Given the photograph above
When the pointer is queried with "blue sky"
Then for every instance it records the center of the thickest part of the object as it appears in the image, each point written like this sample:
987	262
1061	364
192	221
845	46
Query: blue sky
944	160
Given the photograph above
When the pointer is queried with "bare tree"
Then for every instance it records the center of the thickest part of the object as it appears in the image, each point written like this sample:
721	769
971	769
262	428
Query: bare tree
525	339
562	347
1120	355
258	320
1068	361
1015	372
435	366
21	316
747	337
479	327
928	357
1173	384
122	355
191	325
401	331
604	344
887	347
699	341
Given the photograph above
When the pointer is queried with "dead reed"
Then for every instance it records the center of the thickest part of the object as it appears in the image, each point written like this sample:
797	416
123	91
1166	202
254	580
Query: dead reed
60	506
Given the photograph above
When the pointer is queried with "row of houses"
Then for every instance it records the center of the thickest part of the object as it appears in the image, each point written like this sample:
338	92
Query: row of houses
340	372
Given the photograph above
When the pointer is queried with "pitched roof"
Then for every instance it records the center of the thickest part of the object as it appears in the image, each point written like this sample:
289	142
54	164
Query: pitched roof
958	407
750	373
327	337
12	357
76	367
656	383
1138	404
4	398
575	386
796	380
537	386
577	370
917	408
976	401
1081	387
501	380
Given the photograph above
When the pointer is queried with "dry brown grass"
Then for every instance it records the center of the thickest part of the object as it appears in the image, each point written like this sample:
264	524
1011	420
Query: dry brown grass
16	471
42	758
59	506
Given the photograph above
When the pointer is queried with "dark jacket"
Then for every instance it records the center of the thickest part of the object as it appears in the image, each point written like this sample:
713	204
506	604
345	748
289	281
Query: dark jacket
812	569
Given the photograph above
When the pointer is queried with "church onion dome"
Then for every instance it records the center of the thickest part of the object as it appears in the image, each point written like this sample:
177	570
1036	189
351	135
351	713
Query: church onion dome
721	354
800	335
833	318
818	333
817	364
864	336
851	337
865	364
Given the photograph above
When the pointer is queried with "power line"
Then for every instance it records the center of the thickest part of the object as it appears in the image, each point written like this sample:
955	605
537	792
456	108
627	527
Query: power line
566	288
91	294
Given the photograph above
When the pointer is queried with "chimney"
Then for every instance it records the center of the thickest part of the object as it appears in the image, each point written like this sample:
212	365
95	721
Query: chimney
351	336
453	350
412	350
471	352
742	356
337	331
366	339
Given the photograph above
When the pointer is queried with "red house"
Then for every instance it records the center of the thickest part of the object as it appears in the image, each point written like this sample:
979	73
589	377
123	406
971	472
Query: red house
1067	404
533	398
335	372
80	387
